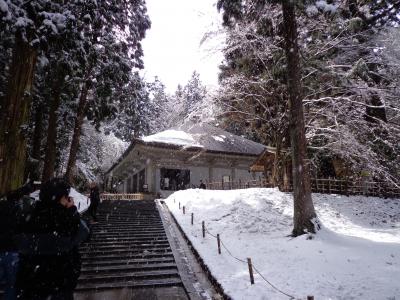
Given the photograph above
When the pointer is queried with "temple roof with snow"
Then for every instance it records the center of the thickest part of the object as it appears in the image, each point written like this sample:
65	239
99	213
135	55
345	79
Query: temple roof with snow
210	138
195	137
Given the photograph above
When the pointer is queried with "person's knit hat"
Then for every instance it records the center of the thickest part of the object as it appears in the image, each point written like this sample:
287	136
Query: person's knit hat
54	189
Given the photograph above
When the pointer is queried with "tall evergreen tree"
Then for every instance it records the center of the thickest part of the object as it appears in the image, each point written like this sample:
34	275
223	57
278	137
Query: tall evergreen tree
304	215
114	49
193	93
34	26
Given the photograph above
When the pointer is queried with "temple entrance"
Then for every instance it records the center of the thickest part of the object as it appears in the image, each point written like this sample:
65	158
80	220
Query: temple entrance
174	179
142	175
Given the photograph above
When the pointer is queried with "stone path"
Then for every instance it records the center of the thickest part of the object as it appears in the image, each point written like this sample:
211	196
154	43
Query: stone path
130	255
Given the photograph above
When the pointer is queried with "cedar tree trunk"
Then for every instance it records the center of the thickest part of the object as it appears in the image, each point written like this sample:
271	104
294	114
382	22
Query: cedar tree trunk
33	164
37	133
80	115
51	143
304	212
14	116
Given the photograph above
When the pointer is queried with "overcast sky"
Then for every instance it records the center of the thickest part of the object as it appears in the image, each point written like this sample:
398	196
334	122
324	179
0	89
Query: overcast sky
172	48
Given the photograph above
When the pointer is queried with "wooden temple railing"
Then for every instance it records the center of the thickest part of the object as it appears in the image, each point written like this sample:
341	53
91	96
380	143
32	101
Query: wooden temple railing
126	196
320	185
234	185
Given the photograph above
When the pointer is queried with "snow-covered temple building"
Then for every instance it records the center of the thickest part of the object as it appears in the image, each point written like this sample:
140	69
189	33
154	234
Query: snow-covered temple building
180	157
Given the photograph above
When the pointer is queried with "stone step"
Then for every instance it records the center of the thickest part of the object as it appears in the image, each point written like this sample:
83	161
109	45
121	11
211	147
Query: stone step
126	276
128	268
112	240
122	224
129	229
121	244
126	237
104	236
126	251
127	256
99	248
130	221
127	241
154	283
127	262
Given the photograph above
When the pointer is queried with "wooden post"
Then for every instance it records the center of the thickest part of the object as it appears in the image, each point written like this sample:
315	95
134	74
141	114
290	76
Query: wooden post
240	184
310	297
192	219
183	209
219	244
250	270
203	228
222	183
179	205
329	185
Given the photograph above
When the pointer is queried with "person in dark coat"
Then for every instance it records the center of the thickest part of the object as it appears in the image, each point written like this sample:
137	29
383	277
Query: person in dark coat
48	244
11	212
94	201
202	185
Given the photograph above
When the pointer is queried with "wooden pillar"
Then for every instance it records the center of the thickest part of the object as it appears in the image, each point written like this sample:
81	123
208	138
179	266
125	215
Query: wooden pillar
210	173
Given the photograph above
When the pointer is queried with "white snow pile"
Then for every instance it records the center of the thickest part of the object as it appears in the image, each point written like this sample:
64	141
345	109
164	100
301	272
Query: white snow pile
171	136
81	201
324	6
321	5
219	138
355	256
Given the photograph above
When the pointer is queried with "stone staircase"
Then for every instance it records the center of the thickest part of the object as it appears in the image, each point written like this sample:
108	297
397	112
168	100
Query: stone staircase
128	248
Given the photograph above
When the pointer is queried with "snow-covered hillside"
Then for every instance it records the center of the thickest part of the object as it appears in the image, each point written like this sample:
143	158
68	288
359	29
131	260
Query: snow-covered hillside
355	256
98	152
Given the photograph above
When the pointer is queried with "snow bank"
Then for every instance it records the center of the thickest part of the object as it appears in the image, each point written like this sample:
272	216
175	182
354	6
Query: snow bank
355	256
81	201
171	136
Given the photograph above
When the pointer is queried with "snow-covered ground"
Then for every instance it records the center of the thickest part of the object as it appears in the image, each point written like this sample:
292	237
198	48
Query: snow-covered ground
355	256
81	201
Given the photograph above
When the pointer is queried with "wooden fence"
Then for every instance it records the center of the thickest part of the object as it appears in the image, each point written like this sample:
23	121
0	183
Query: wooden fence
356	187
234	185
321	185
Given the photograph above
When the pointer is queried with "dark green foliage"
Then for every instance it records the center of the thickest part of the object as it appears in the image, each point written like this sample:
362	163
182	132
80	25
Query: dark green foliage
95	44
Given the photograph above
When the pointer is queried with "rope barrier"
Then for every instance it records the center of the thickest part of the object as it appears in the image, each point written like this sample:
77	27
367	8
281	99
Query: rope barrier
244	261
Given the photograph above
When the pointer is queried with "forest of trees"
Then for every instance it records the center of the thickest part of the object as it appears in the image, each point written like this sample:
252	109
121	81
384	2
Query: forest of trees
71	94
63	63
315	78
318	77
349	75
